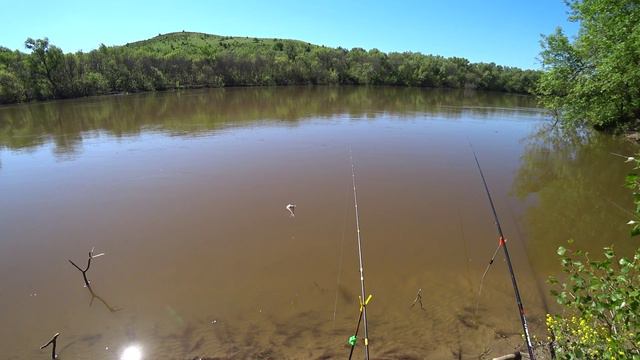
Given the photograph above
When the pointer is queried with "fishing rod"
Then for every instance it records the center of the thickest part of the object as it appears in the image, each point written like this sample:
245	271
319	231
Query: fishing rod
502	242
363	303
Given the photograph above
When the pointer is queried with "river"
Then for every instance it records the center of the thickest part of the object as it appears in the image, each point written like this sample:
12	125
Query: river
185	193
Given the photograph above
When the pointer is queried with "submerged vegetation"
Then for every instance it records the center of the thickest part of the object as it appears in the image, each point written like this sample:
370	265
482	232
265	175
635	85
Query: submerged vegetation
594	79
187	60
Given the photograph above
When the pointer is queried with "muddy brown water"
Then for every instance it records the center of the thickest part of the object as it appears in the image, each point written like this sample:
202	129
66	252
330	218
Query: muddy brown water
185	192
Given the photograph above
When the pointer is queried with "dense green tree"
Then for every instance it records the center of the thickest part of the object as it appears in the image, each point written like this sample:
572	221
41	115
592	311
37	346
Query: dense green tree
184	60
11	90
93	83
595	78
47	63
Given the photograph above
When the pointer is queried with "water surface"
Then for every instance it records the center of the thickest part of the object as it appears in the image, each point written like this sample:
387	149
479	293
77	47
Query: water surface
185	192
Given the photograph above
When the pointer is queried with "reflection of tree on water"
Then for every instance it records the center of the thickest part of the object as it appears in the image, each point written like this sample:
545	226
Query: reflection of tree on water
572	181
64	123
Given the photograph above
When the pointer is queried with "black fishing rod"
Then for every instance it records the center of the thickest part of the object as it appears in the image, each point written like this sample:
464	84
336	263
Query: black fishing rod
503	244
353	339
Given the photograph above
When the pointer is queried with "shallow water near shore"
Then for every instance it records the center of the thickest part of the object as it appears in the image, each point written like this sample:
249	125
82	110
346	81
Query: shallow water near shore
185	193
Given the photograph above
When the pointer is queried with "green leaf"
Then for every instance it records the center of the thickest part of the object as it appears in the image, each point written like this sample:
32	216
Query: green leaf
561	251
631	180
608	253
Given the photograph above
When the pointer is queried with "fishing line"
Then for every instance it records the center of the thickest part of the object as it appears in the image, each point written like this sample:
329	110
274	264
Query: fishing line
502	243
629	158
486	270
622	209
466	249
633	221
465	244
526	252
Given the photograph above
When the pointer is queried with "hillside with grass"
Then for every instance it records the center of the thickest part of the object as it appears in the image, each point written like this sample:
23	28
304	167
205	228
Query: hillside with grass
191	60
201	46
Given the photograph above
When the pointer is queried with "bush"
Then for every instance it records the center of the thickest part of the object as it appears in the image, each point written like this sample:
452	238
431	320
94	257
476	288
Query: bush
601	301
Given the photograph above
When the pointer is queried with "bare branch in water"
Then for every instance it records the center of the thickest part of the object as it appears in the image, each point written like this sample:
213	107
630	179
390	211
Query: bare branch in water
88	283
74	264
292	209
418	300
52	342
84	272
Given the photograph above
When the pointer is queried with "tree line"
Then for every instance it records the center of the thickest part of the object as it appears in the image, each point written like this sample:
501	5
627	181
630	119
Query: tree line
189	60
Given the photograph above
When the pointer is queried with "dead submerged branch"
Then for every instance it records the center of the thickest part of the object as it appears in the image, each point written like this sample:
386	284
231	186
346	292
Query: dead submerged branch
418	300
87	282
53	342
84	271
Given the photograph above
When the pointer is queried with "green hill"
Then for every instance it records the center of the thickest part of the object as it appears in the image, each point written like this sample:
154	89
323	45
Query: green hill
201	45
188	59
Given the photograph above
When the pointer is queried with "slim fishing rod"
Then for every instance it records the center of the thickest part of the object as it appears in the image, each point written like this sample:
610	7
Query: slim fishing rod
503	243
363	302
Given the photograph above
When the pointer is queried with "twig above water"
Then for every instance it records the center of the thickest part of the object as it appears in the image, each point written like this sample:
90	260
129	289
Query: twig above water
418	300
292	209
84	271
53	342
87	282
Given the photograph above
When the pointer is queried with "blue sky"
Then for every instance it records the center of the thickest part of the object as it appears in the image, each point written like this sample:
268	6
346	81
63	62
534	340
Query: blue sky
500	31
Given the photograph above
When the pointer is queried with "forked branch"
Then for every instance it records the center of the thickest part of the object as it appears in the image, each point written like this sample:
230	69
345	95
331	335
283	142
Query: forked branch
84	271
418	300
53	343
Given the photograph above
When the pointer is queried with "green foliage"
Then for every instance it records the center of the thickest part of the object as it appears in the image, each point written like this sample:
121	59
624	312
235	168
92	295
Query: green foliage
187	60
93	83
46	63
602	307
11	89
594	79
